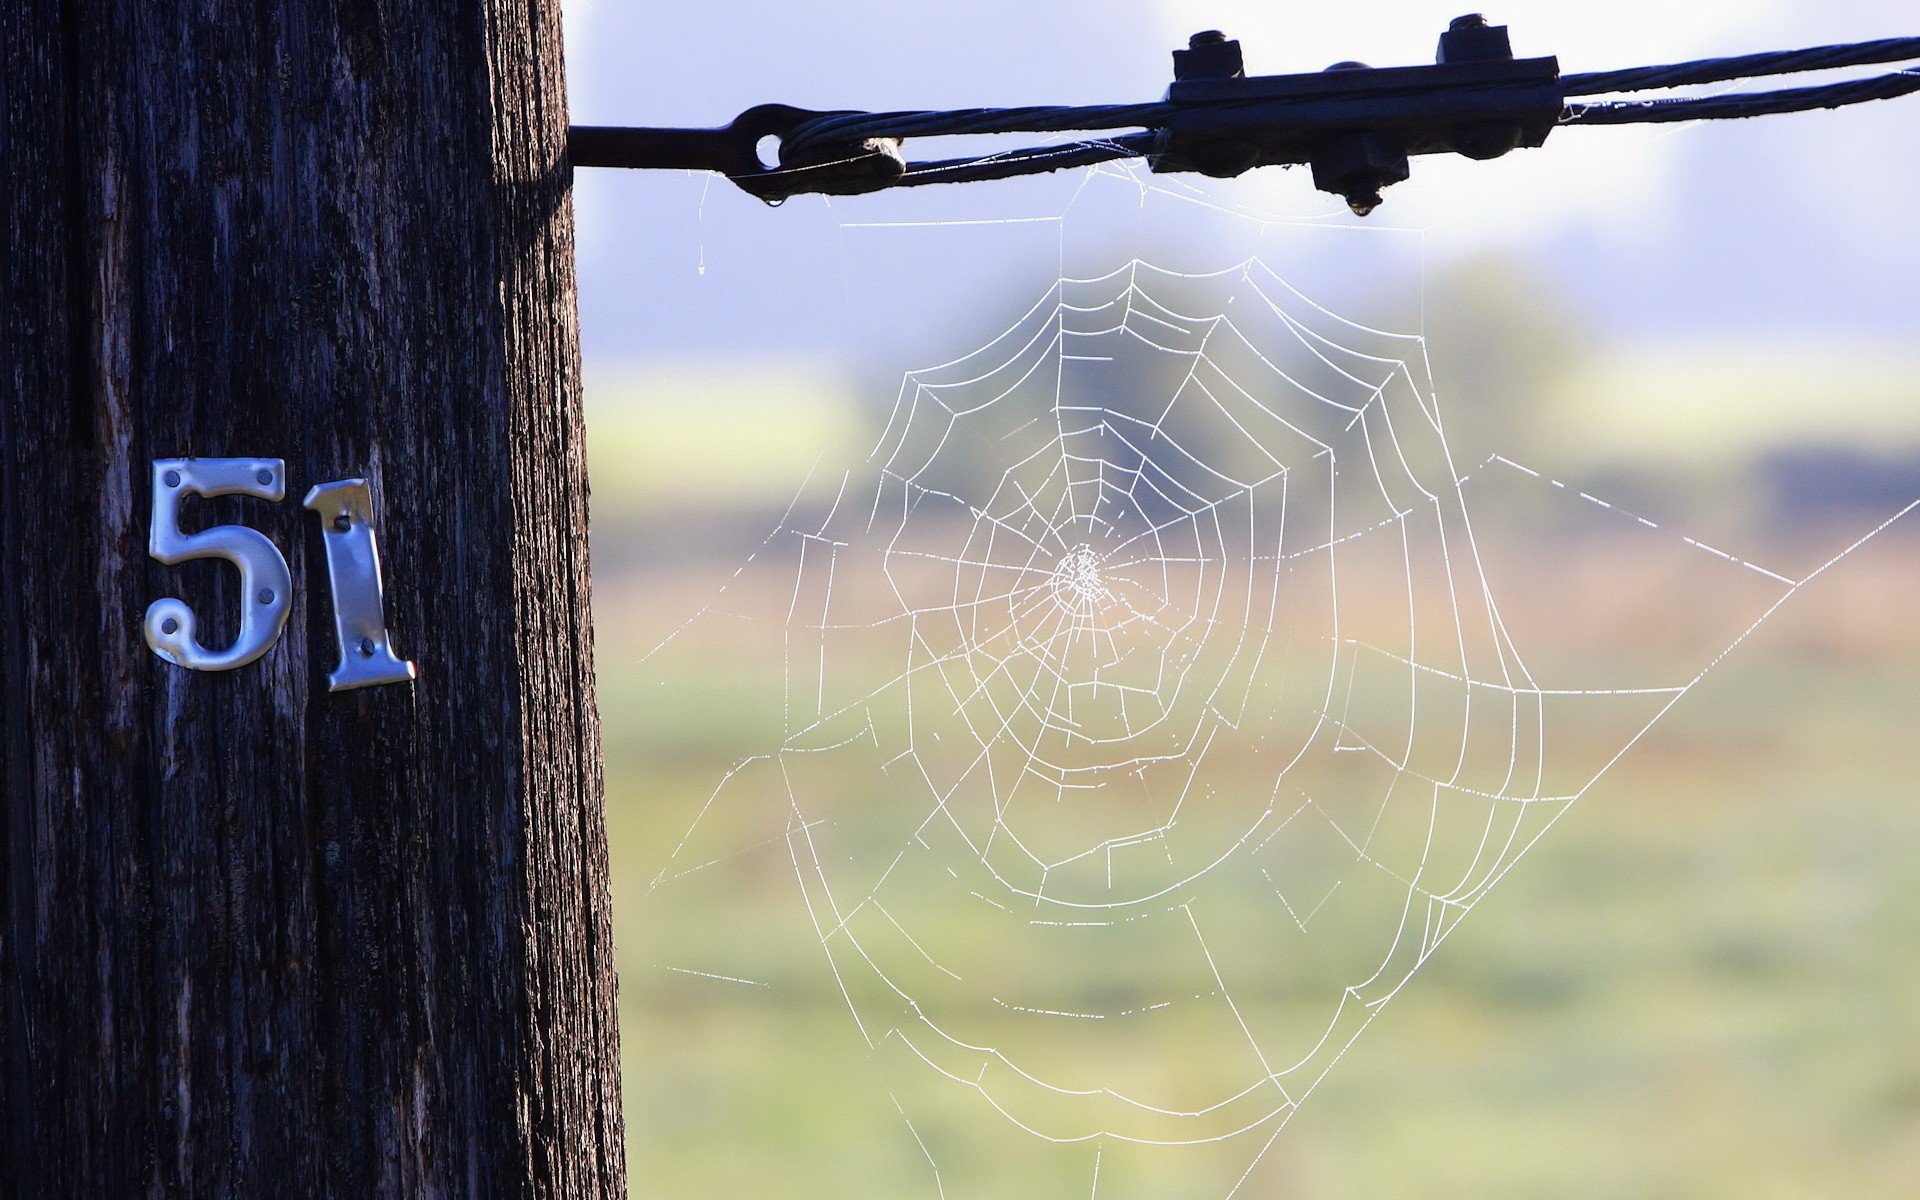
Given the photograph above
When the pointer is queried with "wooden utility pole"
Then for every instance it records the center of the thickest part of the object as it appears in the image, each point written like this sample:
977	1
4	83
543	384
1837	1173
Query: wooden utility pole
257	938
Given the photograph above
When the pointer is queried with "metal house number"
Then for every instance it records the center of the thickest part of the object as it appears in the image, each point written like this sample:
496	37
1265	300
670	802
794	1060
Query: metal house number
353	570
264	580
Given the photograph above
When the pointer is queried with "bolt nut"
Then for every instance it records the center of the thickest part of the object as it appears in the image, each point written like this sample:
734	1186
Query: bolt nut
1471	39
1210	55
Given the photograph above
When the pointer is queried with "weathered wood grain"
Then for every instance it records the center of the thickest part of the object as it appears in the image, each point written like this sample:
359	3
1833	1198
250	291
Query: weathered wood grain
257	939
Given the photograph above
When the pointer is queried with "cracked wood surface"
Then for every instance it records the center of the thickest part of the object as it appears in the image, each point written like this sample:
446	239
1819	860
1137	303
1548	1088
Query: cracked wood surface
257	939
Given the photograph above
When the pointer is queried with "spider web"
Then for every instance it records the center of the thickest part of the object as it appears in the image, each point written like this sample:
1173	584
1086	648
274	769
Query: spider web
1151	711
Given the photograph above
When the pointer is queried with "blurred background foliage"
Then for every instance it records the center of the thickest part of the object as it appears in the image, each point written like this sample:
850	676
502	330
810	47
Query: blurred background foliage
1703	985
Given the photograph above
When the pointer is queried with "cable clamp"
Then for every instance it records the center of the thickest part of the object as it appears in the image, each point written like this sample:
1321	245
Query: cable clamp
1356	126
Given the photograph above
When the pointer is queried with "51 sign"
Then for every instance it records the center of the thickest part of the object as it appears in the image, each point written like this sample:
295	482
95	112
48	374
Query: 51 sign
345	508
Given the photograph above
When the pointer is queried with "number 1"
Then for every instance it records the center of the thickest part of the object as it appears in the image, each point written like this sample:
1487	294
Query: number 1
353	573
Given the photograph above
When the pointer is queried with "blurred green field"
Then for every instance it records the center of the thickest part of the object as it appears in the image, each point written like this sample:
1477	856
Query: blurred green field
1702	985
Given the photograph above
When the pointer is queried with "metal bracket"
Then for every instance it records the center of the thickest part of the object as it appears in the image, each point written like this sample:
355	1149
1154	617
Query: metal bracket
367	659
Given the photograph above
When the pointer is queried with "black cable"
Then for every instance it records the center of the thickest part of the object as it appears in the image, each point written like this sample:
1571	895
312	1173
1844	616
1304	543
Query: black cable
849	127
1033	160
1056	118
1036	160
1745	66
1745	104
853	128
857	140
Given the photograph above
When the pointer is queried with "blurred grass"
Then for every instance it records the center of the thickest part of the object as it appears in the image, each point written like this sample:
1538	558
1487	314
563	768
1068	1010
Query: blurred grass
671	438
1701	985
1681	406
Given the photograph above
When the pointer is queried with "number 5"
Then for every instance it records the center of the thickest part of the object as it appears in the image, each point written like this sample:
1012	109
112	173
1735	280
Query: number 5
265	583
